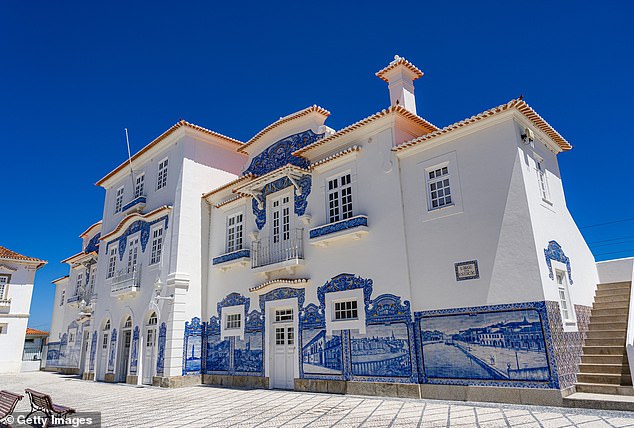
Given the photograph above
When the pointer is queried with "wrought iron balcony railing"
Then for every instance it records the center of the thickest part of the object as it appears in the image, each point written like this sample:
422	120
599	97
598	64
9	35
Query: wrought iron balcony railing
268	252
125	281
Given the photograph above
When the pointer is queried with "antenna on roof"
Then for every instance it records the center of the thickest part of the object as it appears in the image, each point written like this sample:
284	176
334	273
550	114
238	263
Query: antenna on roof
127	140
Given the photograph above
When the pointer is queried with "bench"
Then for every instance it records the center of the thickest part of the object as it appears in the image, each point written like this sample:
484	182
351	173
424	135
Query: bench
41	402
8	401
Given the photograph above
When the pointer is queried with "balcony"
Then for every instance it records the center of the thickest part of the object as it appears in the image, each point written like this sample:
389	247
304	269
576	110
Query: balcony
73	301
355	228
267	256
235	258
137	204
126	282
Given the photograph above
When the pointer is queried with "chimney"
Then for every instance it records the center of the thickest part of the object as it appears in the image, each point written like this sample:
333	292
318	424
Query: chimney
400	75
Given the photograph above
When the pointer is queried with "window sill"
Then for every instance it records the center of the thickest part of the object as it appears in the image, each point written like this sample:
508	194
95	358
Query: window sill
354	227
232	259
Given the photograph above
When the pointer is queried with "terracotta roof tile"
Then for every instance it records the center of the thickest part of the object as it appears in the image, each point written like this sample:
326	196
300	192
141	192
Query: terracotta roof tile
399	61
517	104
5	253
282	120
35	332
400	110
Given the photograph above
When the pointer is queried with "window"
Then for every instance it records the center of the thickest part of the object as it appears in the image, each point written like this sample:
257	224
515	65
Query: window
118	200
283	315
340	198
157	245
128	323
153	319
281	216
232	321
107	326
4	285
541	177
564	298
71	337
133	254
78	285
438	187
3	328
279	336
104	343
112	262
161	180
150	340
61	301
138	185
346	310
91	285
234	233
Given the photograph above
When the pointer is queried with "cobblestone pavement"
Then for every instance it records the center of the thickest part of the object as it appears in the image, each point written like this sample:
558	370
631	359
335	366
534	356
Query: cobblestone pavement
206	406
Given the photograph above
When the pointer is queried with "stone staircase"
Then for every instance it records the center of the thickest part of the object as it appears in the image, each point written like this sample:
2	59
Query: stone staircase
604	367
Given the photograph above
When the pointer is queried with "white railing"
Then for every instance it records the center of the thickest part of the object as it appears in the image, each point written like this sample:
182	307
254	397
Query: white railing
126	280
629	344
32	353
5	302
267	252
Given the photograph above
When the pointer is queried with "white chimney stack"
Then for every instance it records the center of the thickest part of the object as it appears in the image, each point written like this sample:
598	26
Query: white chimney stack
400	75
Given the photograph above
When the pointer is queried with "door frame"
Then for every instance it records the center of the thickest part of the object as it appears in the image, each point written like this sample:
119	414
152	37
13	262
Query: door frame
144	351
270	307
122	369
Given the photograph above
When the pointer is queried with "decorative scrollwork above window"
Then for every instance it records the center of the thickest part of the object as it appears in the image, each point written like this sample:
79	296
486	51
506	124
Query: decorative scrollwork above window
300	198
555	252
280	153
233	299
343	282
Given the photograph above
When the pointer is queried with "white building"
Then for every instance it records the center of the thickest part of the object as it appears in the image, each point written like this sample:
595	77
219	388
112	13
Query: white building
17	276
337	260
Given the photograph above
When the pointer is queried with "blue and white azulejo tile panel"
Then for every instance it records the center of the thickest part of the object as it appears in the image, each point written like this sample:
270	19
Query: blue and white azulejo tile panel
493	345
383	351
321	354
247	355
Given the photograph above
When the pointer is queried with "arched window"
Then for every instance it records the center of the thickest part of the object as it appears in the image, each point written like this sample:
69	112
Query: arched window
128	323
107	326
153	319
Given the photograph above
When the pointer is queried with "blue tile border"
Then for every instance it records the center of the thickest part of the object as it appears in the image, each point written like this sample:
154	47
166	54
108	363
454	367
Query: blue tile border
133	202
327	229
244	253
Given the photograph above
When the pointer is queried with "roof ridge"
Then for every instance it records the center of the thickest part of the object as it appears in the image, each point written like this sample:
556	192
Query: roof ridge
8	254
362	122
516	103
398	60
284	119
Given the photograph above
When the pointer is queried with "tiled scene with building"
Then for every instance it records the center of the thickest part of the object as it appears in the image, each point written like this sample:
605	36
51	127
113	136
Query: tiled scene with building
390	257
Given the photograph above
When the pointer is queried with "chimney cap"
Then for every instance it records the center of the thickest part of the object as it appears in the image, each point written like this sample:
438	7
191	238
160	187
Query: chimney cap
399	62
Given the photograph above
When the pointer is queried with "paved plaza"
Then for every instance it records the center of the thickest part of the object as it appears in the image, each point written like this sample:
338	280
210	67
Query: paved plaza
206	406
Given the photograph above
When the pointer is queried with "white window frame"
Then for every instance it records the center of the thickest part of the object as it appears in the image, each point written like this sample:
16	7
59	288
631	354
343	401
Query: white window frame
157	245
4	327
281	227
284	315
4	292
343	308
542	179
438	184
63	297
162	174
333	324
449	160
234	240
112	262
91	284
118	199
78	282
133	262
569	324
338	200
72	336
139	185
232	332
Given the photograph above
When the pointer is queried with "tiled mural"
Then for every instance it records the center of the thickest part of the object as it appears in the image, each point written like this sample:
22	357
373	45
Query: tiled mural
500	345
505	345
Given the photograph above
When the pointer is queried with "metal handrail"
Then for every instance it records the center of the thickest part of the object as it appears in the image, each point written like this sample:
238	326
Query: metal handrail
266	252
126	279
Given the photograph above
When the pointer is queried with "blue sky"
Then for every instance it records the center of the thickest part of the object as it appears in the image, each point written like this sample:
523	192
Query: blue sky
73	75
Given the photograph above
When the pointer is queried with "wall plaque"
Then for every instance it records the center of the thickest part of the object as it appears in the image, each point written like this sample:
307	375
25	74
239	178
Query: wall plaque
467	270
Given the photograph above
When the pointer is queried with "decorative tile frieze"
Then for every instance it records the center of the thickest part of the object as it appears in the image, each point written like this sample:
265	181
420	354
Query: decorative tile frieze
93	350
93	244
280	153
137	226
343	282
300	200
353	222
233	299
160	358
244	253
113	350
134	352
192	347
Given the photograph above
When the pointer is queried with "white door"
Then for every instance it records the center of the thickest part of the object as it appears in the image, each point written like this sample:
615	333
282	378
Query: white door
124	356
103	362
283	346
84	352
149	355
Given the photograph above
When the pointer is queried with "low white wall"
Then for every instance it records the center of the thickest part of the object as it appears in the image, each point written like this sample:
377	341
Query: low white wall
619	270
